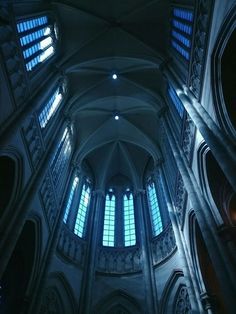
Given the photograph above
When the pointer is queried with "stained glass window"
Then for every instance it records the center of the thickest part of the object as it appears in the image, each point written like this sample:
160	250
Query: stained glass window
181	32
79	228
129	222
37	39
157	226
109	221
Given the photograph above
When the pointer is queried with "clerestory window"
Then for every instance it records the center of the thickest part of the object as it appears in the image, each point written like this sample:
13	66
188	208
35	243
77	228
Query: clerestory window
176	101
71	198
129	222
51	106
157	226
61	155
119	219
82	213
37	38
181	31
109	220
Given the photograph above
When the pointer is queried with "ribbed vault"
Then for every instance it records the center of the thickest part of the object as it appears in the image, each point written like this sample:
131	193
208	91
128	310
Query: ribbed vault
97	40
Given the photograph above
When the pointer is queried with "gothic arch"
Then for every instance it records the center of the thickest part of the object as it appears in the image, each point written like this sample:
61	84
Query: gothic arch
216	187
223	74
10	181
36	220
171	287
206	277
20	271
58	295
52	302
115	301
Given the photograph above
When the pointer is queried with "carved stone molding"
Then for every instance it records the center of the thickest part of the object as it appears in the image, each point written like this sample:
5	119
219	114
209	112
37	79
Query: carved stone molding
180	199
119	260
71	247
182	304
50	303
188	132
12	58
33	139
163	245
203	17
48	200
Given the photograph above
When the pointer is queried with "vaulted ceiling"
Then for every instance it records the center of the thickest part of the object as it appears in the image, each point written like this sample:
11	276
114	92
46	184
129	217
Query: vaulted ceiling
98	39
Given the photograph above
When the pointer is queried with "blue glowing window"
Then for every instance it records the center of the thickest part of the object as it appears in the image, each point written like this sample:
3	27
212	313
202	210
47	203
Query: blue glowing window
157	226
109	221
129	222
181	32
50	108
82	211
180	49
61	156
185	28
183	14
32	23
182	39
70	198
176	101
37	41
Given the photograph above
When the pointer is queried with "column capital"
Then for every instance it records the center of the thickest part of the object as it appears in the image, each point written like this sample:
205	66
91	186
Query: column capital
162	111
98	192
158	163
138	192
207	301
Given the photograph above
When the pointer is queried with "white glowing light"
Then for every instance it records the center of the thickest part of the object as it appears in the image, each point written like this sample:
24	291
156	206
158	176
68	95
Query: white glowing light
114	76
117	117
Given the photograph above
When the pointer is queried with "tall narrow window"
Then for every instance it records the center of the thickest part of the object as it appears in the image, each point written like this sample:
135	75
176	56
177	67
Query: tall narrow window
157	226
61	155
176	101
181	31
109	220
70	198
81	217
51	107
37	39
129	224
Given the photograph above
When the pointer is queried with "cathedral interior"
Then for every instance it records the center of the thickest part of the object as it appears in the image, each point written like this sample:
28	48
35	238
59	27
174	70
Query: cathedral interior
118	157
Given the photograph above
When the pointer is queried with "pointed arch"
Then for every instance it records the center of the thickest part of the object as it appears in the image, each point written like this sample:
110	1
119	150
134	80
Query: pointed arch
117	299
59	292
20	271
168	295
11	169
206	276
223	69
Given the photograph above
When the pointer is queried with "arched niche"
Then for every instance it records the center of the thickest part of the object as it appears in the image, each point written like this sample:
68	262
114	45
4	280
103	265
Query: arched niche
224	74
8	182
209	287
216	187
115	302
58	296
170	296
19	272
228	79
221	190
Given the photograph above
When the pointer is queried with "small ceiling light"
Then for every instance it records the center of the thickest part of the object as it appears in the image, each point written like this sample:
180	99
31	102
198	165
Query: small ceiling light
117	117
114	76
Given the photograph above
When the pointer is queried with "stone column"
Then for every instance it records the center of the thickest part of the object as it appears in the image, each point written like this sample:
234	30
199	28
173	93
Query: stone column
14	228
221	146
23	111
90	259
218	253
50	250
183	251
148	273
